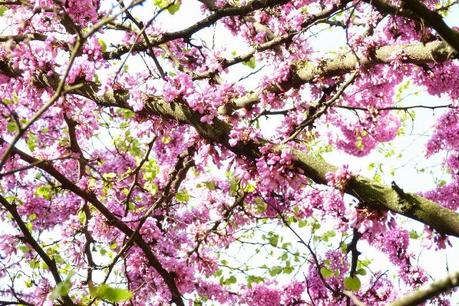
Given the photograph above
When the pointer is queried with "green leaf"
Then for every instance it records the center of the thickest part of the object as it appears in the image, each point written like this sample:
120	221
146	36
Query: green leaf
352	283
12	127
361	271
44	191
249	188
302	223
109	175
254	279
261	207
359	143
82	217
151	170
315	226
288	269
34	264
327	235
173	8
32	141
63	288
103	251
273	240
218	273
127	114
103	45
209	185
276	270
231	280
414	234
250	63
114	295
166	139
161	3
182	196
24	248
326	273
3	9
28	283
441	183
29	226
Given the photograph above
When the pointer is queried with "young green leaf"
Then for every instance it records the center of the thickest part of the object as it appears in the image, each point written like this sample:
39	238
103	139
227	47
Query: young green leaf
114	295
352	283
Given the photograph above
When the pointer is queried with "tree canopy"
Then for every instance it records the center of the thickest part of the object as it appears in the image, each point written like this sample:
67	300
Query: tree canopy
181	152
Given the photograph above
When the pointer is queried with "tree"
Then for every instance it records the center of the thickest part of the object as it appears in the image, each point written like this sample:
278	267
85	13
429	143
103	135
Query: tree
135	158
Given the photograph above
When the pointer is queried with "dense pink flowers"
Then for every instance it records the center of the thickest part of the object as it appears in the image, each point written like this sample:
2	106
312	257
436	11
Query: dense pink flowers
83	12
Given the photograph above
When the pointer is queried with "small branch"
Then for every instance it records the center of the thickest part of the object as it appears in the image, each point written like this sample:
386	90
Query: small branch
313	254
87	246
61	89
11	208
353	298
352	247
402	108
32	165
74	146
23	37
111	220
142	33
136	174
203	23
321	109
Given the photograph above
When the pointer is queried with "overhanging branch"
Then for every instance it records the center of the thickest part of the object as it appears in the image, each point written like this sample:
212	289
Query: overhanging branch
423	294
372	194
415	53
204	23
415	10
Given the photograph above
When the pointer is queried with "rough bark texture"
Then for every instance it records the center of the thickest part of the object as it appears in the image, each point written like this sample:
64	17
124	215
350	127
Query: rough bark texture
370	193
435	51
425	293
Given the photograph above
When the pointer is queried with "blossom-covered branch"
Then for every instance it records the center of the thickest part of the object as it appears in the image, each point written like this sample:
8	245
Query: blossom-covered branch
139	157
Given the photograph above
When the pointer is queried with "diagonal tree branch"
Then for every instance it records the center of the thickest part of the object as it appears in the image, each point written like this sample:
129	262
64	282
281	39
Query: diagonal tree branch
415	53
11	208
203	23
415	10
423	294
111	219
372	194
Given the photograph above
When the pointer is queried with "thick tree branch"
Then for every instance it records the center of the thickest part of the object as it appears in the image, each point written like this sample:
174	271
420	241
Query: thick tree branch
22	37
372	194
416	53
423	294
415	10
